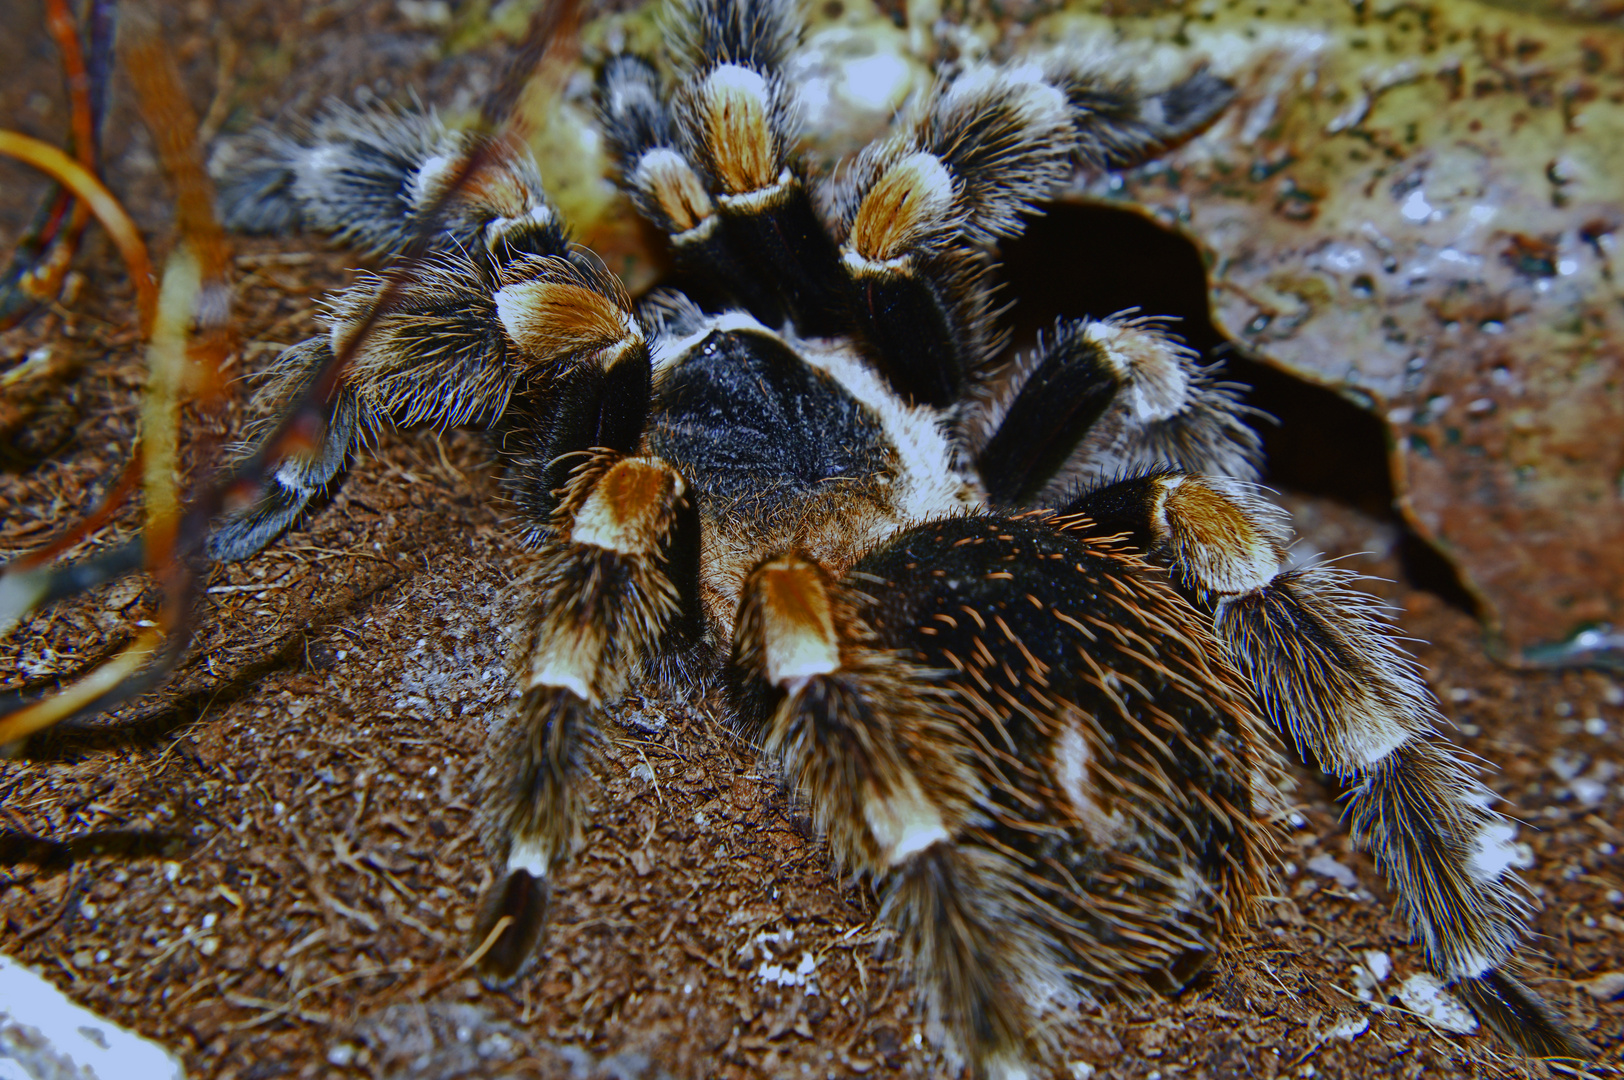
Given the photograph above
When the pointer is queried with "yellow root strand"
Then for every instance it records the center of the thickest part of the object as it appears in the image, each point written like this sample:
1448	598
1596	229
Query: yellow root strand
89	190
168	376
108	675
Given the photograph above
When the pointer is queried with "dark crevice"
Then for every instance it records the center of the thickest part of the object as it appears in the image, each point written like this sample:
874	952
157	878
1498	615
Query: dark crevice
1095	260
18	848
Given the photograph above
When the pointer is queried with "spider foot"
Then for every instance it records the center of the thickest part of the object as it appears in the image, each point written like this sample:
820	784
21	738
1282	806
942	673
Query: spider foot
315	458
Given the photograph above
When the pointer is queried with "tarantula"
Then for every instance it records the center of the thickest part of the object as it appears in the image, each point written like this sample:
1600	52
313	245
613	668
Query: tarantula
1021	635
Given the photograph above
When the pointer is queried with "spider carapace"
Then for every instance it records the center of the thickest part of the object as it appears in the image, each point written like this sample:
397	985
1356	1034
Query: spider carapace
1021	634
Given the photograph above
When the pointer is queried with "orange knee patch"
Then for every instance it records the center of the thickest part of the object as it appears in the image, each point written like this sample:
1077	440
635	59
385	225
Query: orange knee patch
559	313
797	621
1228	550
671	182
735	107
631	507
914	197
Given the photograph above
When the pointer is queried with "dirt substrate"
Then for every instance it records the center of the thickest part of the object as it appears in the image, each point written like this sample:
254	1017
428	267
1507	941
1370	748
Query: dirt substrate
271	867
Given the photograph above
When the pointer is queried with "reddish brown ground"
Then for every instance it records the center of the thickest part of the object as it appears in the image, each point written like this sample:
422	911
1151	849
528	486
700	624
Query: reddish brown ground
270	866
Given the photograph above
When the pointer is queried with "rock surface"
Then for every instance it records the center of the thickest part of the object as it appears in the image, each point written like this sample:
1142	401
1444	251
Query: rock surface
44	1036
1416	204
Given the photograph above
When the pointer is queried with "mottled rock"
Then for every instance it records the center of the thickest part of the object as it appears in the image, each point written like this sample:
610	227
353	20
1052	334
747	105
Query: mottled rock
1417	205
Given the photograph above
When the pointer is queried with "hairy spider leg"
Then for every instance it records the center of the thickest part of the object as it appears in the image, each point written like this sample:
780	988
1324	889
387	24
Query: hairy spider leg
735	118
918	210
442	330
666	186
547	347
1119	397
1047	803
498	324
918	214
1325	664
1118	127
1099	399
876	746
372	179
587	384
458	338
305	472
604	592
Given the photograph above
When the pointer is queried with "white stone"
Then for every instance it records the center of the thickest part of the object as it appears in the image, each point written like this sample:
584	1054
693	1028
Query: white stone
1351	1029
1605	987
44	1036
1425	996
1325	866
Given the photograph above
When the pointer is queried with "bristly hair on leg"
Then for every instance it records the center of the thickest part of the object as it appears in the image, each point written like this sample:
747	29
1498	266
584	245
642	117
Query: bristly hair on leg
994	140
1331	676
598	600
370	178
647	150
759	34
1119	127
632	108
1102	399
301	477
255	175
985	970
1520	1016
349	172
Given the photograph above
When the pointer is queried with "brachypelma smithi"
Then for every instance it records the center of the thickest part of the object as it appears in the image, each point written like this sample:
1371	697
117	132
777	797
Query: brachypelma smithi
1020	634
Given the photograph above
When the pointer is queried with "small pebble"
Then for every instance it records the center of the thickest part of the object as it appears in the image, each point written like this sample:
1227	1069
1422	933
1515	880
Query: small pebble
1351	1028
1425	996
1325	866
1605	987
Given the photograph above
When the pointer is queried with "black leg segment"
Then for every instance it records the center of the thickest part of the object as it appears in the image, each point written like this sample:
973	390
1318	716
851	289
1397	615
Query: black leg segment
1070	386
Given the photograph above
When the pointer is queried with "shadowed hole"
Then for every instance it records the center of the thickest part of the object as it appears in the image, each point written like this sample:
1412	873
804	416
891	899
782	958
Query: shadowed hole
1098	260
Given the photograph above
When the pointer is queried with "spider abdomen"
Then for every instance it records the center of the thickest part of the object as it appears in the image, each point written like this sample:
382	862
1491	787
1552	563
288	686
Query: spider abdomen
1118	752
1030	744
